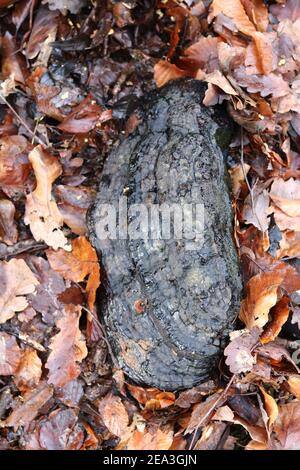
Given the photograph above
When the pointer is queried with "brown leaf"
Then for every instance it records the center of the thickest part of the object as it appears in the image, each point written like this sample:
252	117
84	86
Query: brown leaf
262	291
77	265
289	11
114	414
67	348
286	203
73	203
29	371
41	211
8	228
239	351
234	10
257	12
204	53
152	439
203	411
45	22
14	164
61	431
218	79
10	354
28	408
17	280
85	117
13	63
279	315
264	51
270	407
164	71
255	209
294	385
211	436
286	429
152	398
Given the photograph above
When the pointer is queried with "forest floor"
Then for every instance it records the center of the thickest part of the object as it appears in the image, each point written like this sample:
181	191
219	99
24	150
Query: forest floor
71	73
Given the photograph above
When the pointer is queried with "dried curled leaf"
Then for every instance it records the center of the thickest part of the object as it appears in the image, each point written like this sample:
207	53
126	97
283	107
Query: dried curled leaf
17	280
67	348
41	213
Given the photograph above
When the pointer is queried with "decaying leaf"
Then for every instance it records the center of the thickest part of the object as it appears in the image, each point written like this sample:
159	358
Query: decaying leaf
81	263
10	354
17	280
27	408
114	415
239	351
42	214
152	439
68	348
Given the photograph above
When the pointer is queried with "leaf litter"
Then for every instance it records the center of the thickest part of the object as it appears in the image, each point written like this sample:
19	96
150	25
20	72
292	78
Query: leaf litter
67	94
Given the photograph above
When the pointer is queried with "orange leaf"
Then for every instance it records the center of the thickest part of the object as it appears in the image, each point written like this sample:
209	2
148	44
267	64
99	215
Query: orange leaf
114	414
164	71
29	371
77	265
234	10
294	386
279	314
153	439
67	348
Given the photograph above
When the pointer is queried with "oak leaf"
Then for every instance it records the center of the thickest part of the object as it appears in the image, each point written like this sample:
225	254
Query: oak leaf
68	348
17	280
82	262
41	212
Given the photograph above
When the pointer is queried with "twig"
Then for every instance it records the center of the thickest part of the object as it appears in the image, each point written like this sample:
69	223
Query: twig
223	394
35	137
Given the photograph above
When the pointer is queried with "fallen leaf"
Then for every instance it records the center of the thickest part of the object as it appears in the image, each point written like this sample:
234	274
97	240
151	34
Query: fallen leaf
82	262
114	414
73	6
279	315
152	439
294	385
286	202
14	164
239	351
270	407
29	371
13	62
202	412
17	280
290	10
255	209
218	79
10	354
211	437
41	212
68	348
234	10
151	398
204	53
164	71
45	22
61	431
8	228
262	290
257	12
28	408
286	429
84	117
